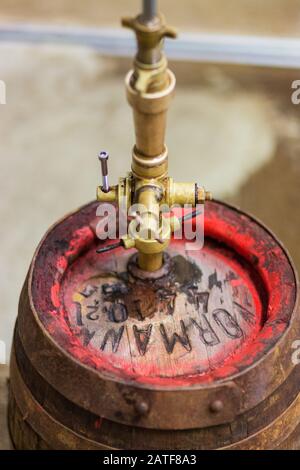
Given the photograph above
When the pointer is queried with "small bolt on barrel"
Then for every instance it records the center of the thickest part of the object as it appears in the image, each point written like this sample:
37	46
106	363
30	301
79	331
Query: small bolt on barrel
103	158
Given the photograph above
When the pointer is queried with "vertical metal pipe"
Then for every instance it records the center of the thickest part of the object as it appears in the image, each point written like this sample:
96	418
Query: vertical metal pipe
149	9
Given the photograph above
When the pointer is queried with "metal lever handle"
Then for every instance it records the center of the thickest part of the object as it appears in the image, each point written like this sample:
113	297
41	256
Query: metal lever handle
103	158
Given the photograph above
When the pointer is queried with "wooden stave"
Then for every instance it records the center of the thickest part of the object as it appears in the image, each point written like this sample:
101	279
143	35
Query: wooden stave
270	435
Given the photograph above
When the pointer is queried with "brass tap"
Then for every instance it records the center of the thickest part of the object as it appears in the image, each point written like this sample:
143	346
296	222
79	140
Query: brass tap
150	88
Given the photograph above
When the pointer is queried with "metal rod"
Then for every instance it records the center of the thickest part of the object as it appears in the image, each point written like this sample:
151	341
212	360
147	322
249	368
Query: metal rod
149	9
107	248
190	216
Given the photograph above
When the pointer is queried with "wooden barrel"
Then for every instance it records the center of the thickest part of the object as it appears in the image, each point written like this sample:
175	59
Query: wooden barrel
201	357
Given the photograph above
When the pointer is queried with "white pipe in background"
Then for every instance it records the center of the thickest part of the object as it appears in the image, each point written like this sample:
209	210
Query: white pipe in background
195	47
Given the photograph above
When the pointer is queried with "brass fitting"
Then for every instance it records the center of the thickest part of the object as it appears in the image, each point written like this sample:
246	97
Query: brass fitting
150	155
150	64
150	88
149	232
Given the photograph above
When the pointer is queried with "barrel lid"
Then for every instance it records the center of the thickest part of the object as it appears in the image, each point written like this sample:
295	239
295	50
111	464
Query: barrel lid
215	316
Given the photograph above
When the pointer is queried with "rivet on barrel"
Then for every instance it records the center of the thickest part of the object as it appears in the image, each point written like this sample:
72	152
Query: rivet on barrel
216	406
142	408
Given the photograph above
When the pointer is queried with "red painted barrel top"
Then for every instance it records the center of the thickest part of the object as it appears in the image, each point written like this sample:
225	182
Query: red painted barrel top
219	310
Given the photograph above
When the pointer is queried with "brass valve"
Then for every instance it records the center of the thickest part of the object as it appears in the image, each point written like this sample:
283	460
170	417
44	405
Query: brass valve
150	88
155	231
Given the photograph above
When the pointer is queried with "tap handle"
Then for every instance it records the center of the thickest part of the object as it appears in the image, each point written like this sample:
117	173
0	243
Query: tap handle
103	158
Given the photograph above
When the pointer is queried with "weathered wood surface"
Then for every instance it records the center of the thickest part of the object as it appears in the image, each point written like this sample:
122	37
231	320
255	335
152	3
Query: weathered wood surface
47	419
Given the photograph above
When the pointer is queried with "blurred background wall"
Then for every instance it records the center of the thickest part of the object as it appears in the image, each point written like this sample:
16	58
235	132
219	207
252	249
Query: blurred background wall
233	128
275	17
